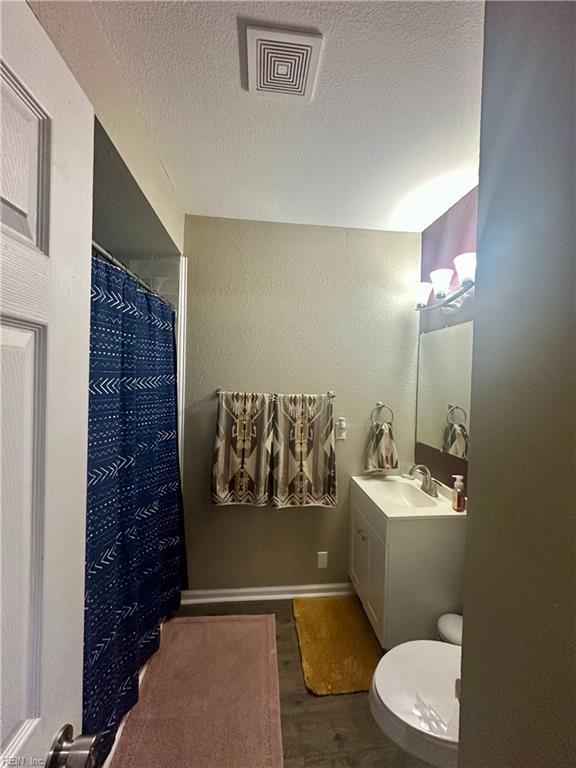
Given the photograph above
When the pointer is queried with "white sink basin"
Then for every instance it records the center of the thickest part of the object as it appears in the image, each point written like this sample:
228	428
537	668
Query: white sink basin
399	496
397	491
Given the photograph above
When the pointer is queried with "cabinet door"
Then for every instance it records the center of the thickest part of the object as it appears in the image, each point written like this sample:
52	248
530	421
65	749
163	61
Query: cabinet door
375	579
358	552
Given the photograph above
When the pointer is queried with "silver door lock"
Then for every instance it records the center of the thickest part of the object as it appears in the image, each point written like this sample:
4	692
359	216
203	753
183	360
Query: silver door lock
69	752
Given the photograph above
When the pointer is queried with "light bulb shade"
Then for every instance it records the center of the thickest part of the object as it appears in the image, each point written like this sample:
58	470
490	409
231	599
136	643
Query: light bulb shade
465	265
441	279
422	294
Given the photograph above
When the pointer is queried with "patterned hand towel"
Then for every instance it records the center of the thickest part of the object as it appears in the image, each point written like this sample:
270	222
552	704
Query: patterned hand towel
381	454
304	452
456	440
241	469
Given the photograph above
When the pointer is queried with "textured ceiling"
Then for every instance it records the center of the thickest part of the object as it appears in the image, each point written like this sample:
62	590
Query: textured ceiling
390	140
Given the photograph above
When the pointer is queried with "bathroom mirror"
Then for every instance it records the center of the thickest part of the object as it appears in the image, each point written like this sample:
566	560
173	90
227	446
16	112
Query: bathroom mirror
444	378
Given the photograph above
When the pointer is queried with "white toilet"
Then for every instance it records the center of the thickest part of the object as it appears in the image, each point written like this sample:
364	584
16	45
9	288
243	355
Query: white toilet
414	697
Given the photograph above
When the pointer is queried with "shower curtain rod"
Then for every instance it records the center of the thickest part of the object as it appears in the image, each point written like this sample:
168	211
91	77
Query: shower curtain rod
108	257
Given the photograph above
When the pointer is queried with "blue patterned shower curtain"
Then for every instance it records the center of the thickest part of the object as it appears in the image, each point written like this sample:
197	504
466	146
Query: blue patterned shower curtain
135	563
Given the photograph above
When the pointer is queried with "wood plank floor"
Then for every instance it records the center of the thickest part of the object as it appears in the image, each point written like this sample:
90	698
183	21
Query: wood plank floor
317	731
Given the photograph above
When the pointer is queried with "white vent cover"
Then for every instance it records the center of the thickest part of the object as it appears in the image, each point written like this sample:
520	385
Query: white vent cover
282	63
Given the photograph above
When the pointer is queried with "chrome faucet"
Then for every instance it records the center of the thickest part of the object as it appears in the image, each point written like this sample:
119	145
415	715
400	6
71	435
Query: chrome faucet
428	483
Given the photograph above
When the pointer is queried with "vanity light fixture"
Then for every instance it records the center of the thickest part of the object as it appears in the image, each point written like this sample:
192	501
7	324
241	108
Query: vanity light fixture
423	291
441	279
465	264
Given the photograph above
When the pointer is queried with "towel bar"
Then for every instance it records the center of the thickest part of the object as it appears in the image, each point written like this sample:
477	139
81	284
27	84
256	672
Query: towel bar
331	394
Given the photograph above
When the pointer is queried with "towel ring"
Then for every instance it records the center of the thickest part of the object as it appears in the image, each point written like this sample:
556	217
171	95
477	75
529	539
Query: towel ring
379	406
451	409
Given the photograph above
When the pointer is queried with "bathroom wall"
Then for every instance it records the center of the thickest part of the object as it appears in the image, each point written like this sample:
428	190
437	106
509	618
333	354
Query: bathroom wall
519	676
125	224
289	308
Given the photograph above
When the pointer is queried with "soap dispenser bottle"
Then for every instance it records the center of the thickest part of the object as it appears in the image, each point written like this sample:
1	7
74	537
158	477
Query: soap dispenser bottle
458	498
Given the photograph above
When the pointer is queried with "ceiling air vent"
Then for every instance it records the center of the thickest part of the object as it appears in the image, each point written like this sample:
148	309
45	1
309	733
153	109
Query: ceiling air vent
282	63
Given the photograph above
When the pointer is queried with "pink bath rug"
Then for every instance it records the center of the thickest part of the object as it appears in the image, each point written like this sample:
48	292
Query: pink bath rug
209	698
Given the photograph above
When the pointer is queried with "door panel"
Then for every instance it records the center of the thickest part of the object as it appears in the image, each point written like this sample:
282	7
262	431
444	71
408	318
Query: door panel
45	234
22	376
25	172
376	578
358	552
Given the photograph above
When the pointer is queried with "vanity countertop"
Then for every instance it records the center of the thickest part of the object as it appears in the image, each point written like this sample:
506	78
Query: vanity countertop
399	497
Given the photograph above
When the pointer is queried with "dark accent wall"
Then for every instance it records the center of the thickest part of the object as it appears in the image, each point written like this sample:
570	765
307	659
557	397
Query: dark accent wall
453	233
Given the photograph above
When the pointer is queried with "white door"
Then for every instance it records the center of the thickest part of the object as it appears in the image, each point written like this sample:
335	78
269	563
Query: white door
45	233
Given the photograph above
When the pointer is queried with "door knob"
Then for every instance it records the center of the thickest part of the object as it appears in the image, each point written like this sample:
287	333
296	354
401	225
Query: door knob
69	752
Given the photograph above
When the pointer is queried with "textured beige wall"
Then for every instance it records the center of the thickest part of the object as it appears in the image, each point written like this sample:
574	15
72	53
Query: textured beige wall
519	657
282	307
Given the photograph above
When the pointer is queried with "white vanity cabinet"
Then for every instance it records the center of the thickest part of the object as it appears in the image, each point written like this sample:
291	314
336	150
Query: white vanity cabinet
406	557
368	566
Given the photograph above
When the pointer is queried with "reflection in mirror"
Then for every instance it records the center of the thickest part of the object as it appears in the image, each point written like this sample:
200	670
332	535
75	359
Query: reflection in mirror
444	377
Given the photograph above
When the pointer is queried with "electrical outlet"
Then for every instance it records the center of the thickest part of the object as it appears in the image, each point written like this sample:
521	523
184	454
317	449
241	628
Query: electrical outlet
322	559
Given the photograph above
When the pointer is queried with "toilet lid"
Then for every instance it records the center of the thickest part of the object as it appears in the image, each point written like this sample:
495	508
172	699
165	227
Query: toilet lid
450	628
416	681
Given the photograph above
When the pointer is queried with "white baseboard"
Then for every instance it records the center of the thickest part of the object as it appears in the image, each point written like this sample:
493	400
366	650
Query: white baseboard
194	596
